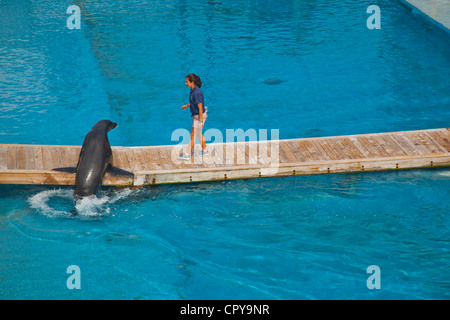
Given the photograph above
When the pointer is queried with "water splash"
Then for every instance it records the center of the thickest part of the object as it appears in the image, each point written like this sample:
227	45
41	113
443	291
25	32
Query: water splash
42	202
60	203
94	206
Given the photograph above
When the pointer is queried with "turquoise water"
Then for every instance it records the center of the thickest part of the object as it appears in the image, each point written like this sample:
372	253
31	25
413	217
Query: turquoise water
291	238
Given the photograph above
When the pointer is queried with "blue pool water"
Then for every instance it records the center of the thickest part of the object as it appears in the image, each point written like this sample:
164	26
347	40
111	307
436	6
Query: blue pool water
291	238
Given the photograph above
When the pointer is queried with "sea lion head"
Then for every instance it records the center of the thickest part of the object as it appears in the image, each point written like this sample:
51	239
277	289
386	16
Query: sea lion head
107	125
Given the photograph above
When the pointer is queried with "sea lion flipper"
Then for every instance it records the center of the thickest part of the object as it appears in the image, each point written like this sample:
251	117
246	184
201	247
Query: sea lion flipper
118	172
66	169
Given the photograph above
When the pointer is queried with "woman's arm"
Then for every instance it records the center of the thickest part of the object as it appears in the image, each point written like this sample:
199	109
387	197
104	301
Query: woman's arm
200	114
200	111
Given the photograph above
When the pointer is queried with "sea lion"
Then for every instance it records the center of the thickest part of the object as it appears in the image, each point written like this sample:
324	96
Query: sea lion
95	159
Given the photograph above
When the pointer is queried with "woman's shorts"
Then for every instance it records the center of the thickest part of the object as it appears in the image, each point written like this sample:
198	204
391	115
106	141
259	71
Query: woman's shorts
196	121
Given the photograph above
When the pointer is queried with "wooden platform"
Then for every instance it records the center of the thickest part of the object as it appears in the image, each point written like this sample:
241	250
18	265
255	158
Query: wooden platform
33	164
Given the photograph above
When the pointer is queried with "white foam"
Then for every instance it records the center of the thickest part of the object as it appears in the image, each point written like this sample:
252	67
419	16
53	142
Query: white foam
92	206
40	201
444	173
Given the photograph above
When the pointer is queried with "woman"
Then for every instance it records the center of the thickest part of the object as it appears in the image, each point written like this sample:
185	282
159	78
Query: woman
198	114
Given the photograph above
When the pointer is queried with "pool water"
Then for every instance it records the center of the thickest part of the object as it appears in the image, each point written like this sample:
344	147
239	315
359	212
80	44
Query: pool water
282	238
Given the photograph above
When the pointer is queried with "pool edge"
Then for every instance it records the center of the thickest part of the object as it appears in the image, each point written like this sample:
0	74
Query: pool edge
437	25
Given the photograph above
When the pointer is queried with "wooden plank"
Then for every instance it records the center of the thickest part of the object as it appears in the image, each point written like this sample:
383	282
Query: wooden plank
373	147
430	143
434	141
218	154
120	159
252	152
117	159
333	143
421	142
230	158
339	148
3	157
245	152
74	155
313	151
405	144
374	153
444	134
425	141
64	154
241	156
295	150
383	144
198	161
12	157
282	156
263	157
445	143
304	151
320	148
172	155
153	158
56	157
360	147
208	161
123	158
417	147
352	148
118	180
274	151
378	145
47	158
326	147
346	149
36	177
260	152
355	149
286	155
266	148
134	166
166	158
29	158
242	148
140	161
21	162
394	148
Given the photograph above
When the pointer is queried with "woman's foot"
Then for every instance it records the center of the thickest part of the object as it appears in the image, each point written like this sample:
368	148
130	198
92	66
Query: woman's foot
203	153
185	157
